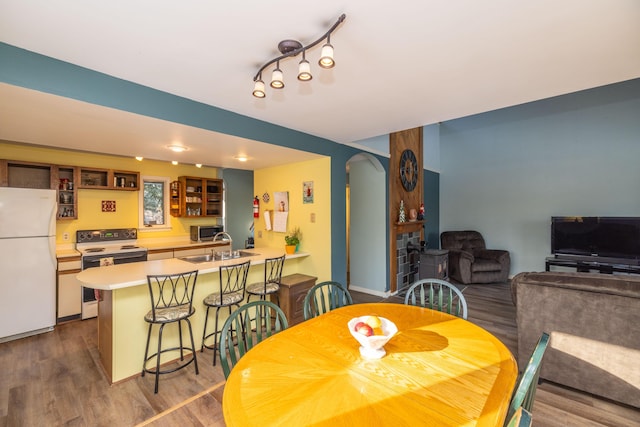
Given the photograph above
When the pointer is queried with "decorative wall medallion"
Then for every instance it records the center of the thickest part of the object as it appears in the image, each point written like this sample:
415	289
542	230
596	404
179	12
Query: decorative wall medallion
108	206
265	197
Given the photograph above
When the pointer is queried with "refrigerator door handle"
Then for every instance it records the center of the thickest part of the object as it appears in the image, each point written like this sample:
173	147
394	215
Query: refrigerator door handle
52	252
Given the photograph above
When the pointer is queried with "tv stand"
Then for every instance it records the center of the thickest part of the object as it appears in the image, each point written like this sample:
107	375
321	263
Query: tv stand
583	265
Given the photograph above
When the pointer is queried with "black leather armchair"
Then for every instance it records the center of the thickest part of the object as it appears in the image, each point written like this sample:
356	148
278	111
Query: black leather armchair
471	262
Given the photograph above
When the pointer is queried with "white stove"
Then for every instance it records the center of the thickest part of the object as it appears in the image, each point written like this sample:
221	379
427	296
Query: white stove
106	247
107	241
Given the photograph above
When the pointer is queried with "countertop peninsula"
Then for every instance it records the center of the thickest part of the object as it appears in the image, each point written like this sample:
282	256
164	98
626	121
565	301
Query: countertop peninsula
124	301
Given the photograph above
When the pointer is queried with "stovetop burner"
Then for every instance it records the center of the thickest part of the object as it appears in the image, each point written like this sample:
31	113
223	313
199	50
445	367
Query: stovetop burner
91	250
129	247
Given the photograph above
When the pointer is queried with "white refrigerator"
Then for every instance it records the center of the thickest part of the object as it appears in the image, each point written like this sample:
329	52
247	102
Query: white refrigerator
27	262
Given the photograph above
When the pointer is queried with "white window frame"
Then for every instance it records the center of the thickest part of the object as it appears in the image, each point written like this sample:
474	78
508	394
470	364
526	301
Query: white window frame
167	213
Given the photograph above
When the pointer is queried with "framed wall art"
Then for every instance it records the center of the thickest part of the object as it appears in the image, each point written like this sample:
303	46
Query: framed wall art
307	192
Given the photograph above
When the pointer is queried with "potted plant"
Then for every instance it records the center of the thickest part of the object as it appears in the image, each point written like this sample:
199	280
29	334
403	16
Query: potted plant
292	240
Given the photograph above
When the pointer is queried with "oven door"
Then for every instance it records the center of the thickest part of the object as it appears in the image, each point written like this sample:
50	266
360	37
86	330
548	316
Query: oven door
89	295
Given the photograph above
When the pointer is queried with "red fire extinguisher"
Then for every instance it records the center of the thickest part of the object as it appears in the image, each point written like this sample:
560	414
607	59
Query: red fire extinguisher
256	207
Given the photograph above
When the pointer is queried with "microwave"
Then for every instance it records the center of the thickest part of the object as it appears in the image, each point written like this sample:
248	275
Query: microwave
203	233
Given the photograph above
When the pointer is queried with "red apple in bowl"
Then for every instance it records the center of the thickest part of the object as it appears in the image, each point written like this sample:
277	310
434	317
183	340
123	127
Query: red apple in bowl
364	329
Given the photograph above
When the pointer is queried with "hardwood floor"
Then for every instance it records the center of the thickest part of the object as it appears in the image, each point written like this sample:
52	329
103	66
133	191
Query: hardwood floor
53	379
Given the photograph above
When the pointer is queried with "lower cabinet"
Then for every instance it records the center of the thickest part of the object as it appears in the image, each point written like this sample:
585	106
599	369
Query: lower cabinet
69	290
293	289
159	254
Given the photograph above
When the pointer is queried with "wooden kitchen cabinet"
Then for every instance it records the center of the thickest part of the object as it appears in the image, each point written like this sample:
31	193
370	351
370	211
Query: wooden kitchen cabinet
65	179
69	301
293	289
202	197
175	197
21	174
109	179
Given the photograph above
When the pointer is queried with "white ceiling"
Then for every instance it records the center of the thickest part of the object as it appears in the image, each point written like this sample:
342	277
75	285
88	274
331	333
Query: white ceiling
399	65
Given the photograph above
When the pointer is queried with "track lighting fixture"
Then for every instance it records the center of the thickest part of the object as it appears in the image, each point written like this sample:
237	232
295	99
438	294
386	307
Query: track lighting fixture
258	87
277	81
291	48
304	69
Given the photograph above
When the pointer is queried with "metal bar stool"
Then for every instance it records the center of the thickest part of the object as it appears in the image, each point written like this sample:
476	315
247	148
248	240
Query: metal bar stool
171	302
272	277
233	281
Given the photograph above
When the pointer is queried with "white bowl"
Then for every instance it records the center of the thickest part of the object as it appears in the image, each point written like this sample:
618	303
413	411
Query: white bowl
373	347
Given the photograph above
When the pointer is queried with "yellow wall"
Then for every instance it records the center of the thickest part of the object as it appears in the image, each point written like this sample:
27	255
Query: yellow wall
90	213
316	236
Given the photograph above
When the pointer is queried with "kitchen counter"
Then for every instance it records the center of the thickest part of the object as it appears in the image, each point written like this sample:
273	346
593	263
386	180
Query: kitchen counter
125	275
122	331
68	250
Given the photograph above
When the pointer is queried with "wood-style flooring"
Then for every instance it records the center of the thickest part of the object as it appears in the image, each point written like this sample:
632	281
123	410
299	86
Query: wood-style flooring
53	379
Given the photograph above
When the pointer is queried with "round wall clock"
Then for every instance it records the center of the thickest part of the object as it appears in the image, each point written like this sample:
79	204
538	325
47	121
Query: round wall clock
408	170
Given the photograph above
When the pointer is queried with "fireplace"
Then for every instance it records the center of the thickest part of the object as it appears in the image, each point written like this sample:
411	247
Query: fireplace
407	259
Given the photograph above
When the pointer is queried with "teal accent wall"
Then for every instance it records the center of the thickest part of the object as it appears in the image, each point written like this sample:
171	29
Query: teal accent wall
431	188
239	205
506	173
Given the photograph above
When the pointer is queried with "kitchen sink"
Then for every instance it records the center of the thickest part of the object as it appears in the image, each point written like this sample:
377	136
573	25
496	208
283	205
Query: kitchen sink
197	258
217	256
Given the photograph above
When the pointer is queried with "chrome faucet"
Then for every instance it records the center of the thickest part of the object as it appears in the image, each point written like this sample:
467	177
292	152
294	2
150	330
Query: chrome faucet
223	234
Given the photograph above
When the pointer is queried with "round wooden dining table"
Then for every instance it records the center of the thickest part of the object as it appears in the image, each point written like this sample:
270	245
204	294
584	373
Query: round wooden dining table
439	370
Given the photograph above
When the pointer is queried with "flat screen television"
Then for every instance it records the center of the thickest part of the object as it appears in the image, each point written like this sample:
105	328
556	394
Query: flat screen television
617	238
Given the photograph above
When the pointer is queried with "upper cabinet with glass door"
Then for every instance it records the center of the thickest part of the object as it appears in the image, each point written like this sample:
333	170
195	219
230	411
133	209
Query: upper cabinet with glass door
201	197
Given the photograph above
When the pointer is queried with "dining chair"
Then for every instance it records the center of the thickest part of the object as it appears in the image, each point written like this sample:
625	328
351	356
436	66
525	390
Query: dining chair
324	297
171	302
526	389
246	327
521	418
438	295
232	282
271	282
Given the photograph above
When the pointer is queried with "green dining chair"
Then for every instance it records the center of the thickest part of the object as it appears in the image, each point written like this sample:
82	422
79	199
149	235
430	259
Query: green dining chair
437	295
324	297
520	418
247	326
526	389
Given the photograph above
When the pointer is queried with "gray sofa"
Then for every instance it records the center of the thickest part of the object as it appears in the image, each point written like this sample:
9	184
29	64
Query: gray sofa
594	323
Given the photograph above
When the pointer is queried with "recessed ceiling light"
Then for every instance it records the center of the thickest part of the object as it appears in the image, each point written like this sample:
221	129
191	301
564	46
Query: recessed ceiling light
241	158
139	158
177	148
198	165
174	162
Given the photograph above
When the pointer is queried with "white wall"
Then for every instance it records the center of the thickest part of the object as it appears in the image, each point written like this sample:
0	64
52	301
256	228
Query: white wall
505	173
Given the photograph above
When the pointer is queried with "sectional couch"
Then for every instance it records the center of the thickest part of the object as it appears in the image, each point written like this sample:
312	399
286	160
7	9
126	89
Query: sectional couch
594	323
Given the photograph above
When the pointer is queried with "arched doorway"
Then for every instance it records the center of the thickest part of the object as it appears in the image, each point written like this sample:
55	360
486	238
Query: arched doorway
366	225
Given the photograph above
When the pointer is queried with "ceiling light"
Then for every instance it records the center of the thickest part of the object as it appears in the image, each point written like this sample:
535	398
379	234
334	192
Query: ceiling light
241	158
139	158
198	165
304	70
326	57
258	88
290	49
174	162
177	148
277	81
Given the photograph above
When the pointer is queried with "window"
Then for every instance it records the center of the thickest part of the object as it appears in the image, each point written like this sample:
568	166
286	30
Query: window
154	203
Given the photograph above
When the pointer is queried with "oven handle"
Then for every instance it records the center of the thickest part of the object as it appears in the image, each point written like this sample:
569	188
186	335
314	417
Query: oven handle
133	256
